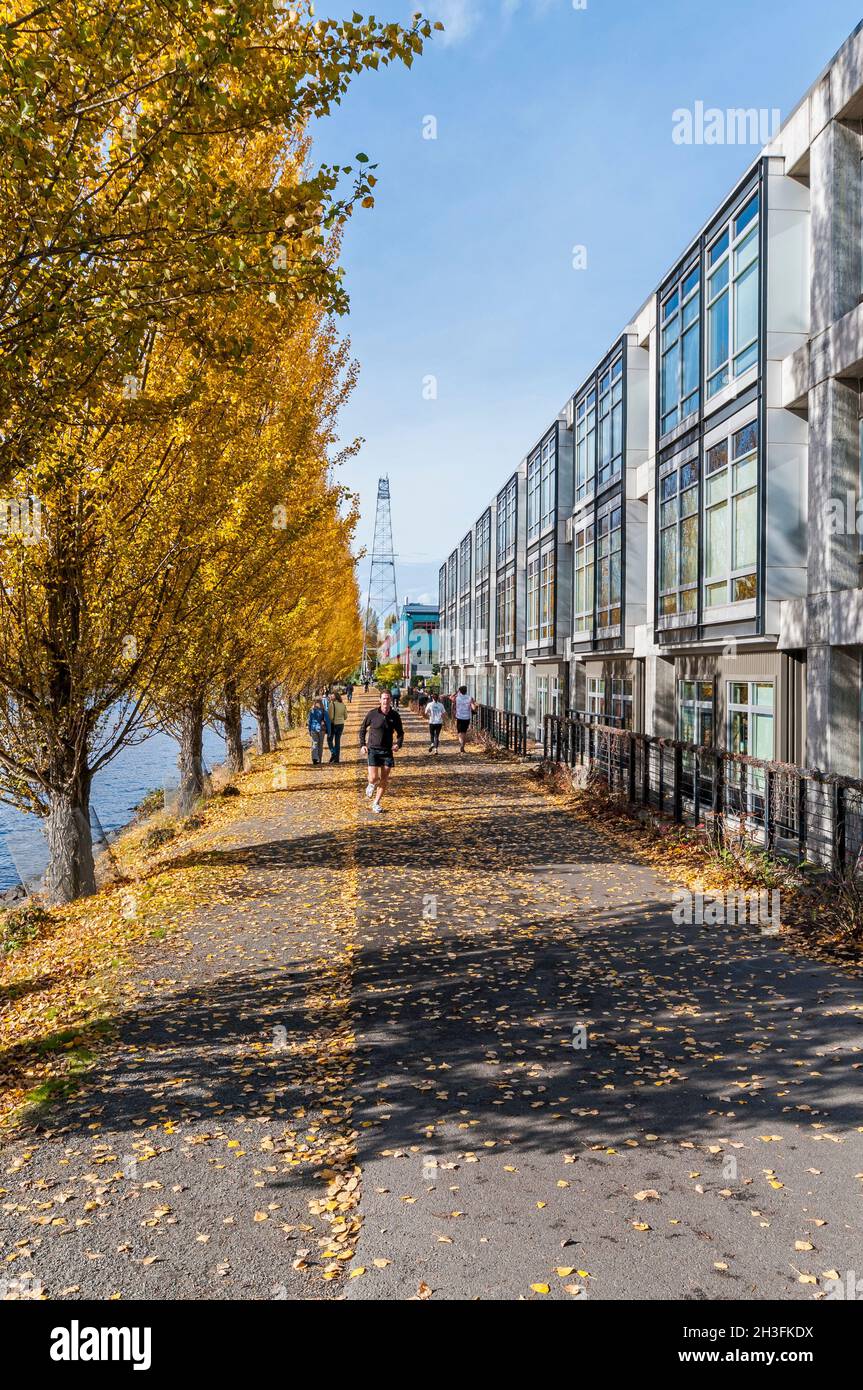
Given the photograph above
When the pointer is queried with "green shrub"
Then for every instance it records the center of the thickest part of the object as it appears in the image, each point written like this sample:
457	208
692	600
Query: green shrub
152	802
158	836
21	925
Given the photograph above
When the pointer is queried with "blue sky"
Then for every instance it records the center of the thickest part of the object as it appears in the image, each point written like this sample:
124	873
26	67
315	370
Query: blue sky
554	129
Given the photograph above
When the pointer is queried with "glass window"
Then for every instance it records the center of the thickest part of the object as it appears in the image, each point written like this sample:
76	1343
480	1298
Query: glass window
610	417
680	349
483	545
596	696
533	599
678	540
546	604
608	568
582	617
541	705
731	519
751	732
506	522
481	617
534	470
733	299
505	612
585	444
548	484
695	712
621	701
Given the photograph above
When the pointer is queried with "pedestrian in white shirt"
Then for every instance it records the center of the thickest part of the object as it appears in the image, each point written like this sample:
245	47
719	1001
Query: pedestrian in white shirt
435	715
464	707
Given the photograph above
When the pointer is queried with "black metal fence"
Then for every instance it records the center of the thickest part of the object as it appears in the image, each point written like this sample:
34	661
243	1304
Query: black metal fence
502	726
785	809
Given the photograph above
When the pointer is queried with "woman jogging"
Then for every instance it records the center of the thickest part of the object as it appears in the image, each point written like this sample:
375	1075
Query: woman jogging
464	707
434	713
376	739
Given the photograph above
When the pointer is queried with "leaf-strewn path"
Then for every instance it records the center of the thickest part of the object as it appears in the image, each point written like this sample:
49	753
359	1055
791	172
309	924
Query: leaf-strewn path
358	1077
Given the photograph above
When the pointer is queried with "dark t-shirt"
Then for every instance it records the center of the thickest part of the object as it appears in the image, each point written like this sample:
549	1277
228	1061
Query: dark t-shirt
377	730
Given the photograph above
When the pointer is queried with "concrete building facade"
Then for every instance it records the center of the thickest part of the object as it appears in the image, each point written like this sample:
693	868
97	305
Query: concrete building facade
680	552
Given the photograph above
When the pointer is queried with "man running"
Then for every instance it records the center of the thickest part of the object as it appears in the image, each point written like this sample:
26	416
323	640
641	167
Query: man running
464	707
434	713
376	739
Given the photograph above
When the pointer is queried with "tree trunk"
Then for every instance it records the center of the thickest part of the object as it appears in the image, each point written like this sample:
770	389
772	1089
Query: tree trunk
71	872
233	728
275	731
262	714
191	759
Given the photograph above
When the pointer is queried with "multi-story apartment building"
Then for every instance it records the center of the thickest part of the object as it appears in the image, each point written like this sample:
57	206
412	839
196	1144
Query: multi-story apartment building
680	553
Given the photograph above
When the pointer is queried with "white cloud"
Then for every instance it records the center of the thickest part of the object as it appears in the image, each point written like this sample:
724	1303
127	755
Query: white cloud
459	18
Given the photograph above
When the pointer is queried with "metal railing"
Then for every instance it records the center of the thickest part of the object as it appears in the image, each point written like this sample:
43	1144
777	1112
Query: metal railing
502	726
784	809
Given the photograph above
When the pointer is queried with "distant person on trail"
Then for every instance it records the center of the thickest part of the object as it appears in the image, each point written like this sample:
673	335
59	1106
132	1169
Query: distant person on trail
319	728
395	692
464	707
434	712
376	739
349	691
366	685
338	712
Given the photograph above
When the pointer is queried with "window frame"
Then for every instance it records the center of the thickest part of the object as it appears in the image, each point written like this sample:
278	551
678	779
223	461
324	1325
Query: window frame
673	307
606	514
507	521
547	595
588	569
533	600
684	469
734	495
729	291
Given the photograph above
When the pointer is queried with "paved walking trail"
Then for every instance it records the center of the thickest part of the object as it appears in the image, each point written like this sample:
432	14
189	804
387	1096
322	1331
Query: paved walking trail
365	1061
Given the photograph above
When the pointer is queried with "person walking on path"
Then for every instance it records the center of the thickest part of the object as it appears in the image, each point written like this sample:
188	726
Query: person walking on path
434	713
366	685
464	707
319	728
338	712
349	691
376	740
395	692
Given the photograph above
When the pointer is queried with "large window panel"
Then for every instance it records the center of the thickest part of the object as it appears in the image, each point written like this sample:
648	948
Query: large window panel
733	298
533	599
546	603
506	521
483	546
582	617
585	444
680	350
610	411
548	484
678	544
534	483
731	519
608	560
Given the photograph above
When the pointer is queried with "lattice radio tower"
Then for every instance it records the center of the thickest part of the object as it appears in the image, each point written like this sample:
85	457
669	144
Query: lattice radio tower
383	596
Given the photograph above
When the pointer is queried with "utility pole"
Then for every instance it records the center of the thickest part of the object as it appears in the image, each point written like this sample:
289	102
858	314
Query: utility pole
382	595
